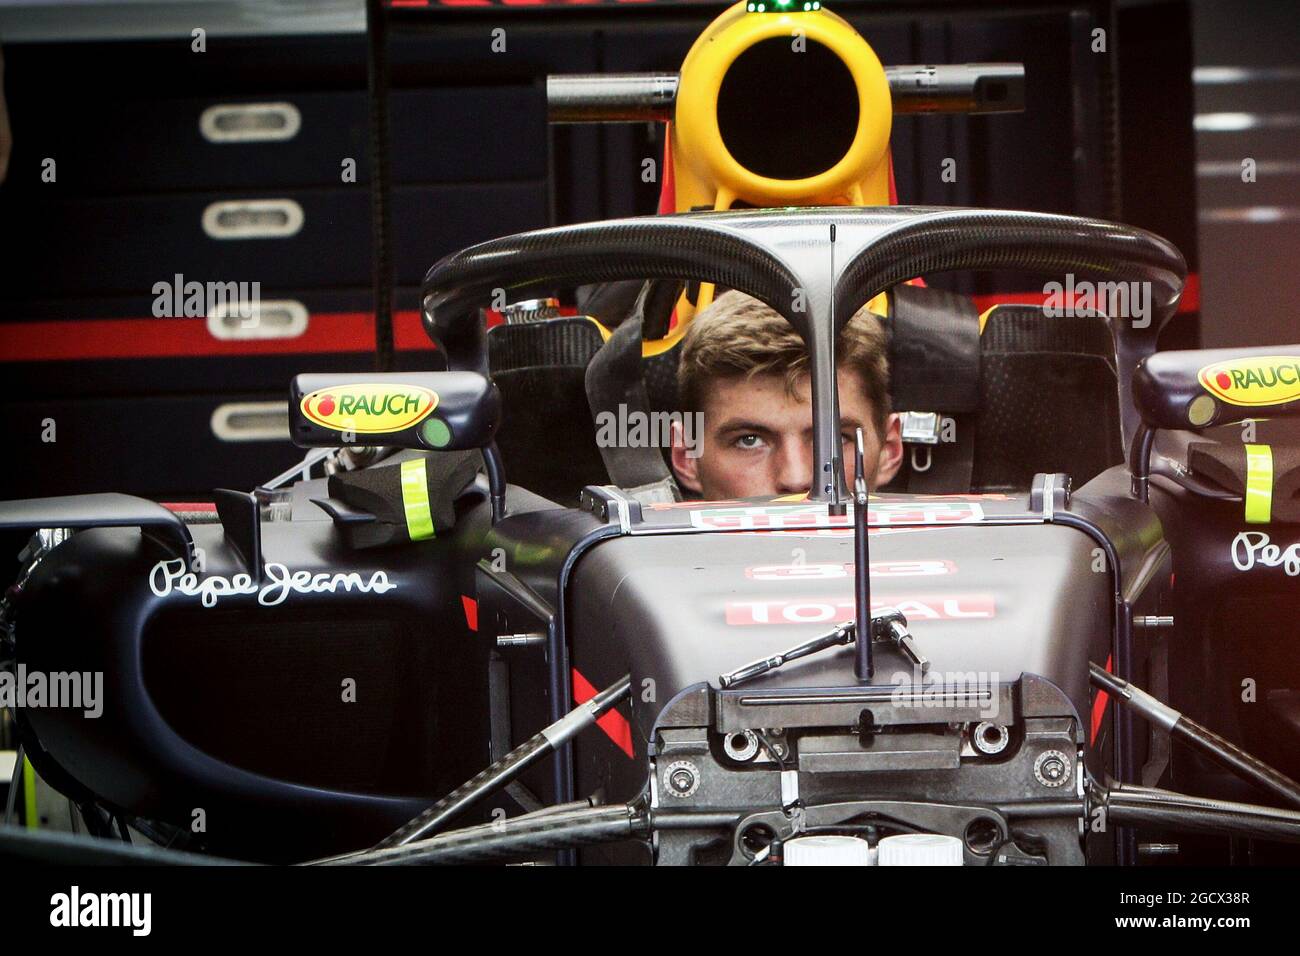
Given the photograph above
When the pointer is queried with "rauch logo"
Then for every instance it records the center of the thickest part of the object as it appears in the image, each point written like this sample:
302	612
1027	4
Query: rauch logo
369	409
1263	380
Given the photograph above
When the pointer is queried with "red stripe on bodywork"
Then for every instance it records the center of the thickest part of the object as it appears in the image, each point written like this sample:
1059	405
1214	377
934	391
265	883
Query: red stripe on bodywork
617	727
1190	302
1099	706
75	339
471	611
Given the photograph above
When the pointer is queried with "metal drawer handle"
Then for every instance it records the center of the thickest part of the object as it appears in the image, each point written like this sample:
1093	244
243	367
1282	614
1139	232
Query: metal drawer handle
251	421
252	219
250	122
264	319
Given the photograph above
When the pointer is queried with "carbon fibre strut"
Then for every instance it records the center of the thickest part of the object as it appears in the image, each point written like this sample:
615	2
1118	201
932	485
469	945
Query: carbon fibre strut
498	775
510	766
1181	727
549	829
565	827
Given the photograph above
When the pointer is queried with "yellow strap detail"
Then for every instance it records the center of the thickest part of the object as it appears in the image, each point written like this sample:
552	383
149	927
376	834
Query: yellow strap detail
1259	484
30	811
415	500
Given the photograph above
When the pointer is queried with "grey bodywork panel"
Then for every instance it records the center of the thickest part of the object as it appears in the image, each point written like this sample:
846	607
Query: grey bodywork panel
996	602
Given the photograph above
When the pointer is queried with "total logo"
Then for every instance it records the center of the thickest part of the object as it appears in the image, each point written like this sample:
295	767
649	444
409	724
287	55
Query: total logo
920	607
1263	380
369	409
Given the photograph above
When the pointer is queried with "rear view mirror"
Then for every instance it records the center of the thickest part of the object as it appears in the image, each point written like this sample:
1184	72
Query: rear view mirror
1200	388
433	411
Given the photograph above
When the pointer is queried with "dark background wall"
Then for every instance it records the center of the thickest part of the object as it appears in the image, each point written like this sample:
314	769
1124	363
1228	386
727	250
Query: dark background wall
114	96
1248	108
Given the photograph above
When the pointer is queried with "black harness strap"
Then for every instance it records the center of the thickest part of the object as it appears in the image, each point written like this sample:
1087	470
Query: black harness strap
934	350
616	387
934	366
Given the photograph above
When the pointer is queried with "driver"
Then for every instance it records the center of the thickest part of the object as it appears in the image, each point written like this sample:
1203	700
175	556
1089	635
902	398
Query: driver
744	370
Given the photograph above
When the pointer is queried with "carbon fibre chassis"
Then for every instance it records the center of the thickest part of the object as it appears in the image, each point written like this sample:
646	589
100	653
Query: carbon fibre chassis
1048	582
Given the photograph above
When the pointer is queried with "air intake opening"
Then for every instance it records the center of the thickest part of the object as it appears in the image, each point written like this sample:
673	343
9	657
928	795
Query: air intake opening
785	114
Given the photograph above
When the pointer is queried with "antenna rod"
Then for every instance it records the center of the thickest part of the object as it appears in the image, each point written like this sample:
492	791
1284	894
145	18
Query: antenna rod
830	471
863	665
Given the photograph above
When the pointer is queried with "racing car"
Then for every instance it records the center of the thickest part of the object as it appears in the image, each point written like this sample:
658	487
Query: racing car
440	650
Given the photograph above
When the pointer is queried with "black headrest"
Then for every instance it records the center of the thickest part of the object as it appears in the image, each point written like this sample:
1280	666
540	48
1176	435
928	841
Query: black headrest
1024	328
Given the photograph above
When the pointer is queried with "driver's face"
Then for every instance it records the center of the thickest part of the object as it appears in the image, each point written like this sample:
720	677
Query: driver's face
757	440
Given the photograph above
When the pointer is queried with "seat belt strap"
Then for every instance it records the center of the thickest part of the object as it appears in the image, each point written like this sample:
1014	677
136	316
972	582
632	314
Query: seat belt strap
617	395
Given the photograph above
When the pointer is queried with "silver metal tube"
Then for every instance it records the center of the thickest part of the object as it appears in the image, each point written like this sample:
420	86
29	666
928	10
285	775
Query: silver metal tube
915	88
611	97
958	88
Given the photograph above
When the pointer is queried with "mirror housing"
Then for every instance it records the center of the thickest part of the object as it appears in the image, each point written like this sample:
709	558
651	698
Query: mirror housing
1201	388
430	411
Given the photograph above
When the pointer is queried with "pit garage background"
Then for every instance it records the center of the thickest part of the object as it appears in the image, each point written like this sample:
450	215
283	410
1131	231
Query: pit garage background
149	188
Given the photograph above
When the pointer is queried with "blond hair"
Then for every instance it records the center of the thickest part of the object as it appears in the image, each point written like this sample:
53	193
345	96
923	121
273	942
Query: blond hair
737	335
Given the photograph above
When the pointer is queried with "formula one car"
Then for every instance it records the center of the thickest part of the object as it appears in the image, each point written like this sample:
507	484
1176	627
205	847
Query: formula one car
999	673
